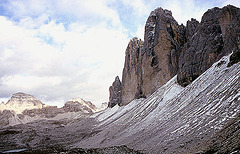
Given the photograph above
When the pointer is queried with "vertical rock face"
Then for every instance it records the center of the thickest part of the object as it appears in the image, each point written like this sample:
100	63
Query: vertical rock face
162	41
20	102
150	64
208	41
132	71
169	49
115	93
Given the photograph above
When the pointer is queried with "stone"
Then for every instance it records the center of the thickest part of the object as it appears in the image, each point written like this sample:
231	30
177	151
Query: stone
115	93
215	36
45	112
4	117
191	28
234	58
162	40
132	71
169	49
150	64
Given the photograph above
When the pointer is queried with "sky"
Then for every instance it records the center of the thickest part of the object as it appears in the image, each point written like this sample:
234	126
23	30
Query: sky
56	50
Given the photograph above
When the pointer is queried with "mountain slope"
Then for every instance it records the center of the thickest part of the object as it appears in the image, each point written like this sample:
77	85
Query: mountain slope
172	120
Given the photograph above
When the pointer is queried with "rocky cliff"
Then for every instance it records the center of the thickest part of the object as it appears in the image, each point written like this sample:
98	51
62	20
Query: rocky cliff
132	71
162	42
150	64
169	49
115	92
216	35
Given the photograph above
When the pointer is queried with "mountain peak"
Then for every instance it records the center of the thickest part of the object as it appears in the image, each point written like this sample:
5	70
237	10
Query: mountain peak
78	104
20	102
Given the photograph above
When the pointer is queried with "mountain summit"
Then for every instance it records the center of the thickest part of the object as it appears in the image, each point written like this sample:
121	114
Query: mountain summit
78	104
20	102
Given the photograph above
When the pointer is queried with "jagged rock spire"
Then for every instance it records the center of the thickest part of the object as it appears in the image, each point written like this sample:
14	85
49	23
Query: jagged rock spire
115	93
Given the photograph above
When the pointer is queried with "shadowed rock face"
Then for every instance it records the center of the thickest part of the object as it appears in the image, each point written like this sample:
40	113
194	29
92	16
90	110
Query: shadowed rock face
115	93
132	72
217	35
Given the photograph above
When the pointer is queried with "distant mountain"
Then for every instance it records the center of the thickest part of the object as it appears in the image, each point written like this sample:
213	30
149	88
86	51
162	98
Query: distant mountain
78	104
24	108
20	102
103	106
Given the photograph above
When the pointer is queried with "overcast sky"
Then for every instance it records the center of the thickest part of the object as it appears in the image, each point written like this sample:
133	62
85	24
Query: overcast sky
61	49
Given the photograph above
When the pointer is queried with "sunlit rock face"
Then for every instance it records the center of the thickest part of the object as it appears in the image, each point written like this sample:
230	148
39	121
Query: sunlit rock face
20	102
162	42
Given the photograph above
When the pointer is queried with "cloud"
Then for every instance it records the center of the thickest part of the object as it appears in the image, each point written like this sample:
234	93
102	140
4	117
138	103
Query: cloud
66	11
43	57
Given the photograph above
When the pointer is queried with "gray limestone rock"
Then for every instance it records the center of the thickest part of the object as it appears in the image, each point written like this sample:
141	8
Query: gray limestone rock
132	72
217	35
115	93
150	64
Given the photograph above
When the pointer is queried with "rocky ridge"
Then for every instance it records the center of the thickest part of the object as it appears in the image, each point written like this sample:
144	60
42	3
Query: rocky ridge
78	104
202	117
104	106
24	108
169	49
